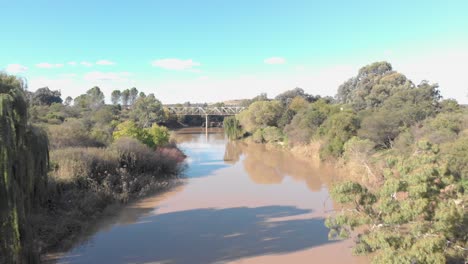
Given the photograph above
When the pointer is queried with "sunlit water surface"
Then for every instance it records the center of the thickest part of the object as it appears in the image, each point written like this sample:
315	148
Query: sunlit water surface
240	203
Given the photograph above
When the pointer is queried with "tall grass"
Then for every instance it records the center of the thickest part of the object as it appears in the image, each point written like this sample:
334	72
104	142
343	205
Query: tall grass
84	182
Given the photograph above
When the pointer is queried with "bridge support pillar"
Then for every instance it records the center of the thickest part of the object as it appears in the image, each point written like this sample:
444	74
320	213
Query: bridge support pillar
207	120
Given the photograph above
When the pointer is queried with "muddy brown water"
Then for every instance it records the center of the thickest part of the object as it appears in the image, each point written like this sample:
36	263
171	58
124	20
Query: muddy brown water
240	203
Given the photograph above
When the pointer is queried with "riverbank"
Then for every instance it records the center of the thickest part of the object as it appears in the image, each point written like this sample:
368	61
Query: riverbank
240	203
88	184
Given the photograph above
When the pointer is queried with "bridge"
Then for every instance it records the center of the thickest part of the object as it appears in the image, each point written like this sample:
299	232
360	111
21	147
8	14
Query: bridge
205	111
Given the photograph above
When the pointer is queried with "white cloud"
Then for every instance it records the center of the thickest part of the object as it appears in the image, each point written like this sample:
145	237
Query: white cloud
72	63
176	64
107	76
46	65
203	78
15	68
86	63
275	60
105	62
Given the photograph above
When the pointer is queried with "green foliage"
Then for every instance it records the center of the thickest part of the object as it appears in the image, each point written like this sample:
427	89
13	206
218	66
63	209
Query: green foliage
116	96
336	130
23	169
411	216
257	136
288	96
260	114
93	99
133	95
358	149
155	136
128	129
272	134
232	128
44	96
75	133
125	97
373	85
306	122
146	111
381	127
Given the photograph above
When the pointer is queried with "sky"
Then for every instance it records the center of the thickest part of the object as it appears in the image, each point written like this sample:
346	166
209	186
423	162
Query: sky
212	50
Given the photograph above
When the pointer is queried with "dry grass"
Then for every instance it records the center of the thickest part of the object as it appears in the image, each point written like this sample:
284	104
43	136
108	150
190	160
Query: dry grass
84	182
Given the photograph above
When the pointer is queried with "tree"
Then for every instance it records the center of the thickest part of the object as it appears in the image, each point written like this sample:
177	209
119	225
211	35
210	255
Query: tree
128	129
81	101
157	136
44	96
133	95
374	84
125	97
307	121
260	114
68	100
154	136
24	165
336	130
96	97
288	96
116	96
146	111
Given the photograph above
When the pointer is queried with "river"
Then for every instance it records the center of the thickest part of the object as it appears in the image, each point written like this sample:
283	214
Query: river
240	203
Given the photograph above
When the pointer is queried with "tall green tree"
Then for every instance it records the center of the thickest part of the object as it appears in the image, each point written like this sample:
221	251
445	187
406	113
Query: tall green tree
96	97
23	166
44	96
147	111
133	95
116	96
125	97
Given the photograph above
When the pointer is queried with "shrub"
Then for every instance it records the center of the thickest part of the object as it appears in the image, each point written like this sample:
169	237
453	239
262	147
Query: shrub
336	130
72	133
257	136
272	134
155	136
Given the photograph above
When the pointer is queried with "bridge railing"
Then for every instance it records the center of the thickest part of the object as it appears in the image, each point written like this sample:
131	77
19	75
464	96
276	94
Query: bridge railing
205	111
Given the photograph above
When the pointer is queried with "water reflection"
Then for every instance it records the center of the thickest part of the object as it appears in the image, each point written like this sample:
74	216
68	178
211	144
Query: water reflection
270	166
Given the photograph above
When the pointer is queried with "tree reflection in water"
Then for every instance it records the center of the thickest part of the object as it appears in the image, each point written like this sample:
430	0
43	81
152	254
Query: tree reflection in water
270	166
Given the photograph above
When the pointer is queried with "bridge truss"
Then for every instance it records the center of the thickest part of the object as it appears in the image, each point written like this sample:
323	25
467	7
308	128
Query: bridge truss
205	111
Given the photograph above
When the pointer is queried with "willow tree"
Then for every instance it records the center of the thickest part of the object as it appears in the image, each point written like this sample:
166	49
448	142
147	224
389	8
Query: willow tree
23	169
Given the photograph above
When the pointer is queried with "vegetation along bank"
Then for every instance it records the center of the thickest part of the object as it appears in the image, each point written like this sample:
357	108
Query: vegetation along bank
406	149
63	166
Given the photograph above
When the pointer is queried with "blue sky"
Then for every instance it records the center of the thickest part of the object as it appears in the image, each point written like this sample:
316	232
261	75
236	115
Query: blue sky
215	50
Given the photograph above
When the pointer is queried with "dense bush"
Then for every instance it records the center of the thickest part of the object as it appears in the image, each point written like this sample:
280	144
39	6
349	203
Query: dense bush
74	133
154	136
260	114
272	134
306	122
336	130
415	216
